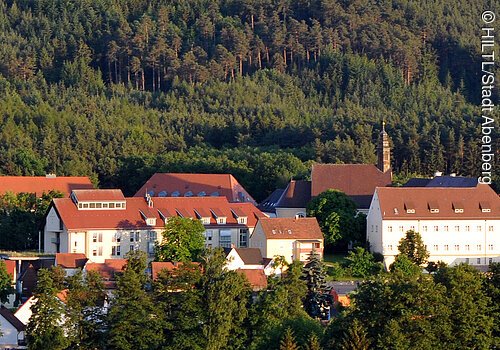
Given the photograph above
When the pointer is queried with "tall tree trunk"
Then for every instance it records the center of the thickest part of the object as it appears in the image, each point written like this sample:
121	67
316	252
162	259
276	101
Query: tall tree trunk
241	65
153	80
259	58
143	80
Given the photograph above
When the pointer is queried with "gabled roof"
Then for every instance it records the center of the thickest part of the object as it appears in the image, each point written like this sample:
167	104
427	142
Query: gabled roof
269	204
131	217
40	184
358	181
250	256
225	185
291	228
71	260
13	320
257	278
442	202
98	195
11	268
296	195
452	181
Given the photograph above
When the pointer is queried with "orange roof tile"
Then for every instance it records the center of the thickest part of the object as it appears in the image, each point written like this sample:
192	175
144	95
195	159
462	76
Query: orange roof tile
71	260
157	266
131	217
358	181
63	295
164	184
108	269
41	184
99	195
291	228
394	202
257	278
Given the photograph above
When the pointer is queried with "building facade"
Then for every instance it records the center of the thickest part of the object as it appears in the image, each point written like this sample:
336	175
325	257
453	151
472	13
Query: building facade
457	225
103	224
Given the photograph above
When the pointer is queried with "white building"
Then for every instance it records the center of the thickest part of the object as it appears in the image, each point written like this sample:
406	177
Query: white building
103	224
293	238
458	225
13	336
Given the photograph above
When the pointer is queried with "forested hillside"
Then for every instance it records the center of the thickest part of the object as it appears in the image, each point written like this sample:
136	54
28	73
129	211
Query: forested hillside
120	89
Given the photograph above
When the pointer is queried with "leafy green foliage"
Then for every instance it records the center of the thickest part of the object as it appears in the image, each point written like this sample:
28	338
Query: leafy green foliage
288	341
361	263
413	247
5	283
402	264
337	216
182	241
44	330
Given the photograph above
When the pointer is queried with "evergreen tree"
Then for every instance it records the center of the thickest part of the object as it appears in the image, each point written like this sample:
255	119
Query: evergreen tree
355	337
317	302
313	343
45	329
288	341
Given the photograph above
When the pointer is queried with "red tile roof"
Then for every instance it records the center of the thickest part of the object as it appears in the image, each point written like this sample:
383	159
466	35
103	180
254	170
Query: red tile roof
291	228
358	181
40	184
63	295
108	270
99	195
250	256
395	201
157	266
131	218
71	260
11	268
296	195
257	278
211	184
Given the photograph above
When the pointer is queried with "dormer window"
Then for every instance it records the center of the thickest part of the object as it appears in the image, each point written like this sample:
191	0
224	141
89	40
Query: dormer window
410	208
433	207
219	216
240	216
485	207
458	207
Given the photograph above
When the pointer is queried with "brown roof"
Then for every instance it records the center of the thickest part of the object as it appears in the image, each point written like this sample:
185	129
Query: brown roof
157	266
392	202
291	228
99	195
257	278
250	256
11	268
296	195
63	295
71	260
198	184
358	181
13	320
131	217
40	184
108	270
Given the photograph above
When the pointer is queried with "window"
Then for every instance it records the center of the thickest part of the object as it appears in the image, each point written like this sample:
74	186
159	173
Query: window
76	244
116	250
244	238
478	261
457	228
117	237
221	220
99	237
424	228
490	260
436	228
225	238
467	247
94	237
490	228
135	236
478	247
435	247
376	228
389	247
412	228
97	252
401	229
208	235
242	220
152	236
118	205
98	205
466	260
389	228
479	228
80	205
446	247
372	228
151	248
205	221
316	245
467	228
457	247
132	248
490	246
111	205
104	205
85	205
446	228
92	205
94	252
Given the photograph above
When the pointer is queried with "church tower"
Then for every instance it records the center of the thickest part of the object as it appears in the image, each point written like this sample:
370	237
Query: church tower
383	151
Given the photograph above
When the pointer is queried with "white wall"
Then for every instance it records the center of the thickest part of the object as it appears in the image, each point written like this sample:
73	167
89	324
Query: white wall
289	212
9	333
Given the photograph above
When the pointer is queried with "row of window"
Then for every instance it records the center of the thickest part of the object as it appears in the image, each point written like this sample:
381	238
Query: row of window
225	238
101	205
134	236
436	228
116	250
446	247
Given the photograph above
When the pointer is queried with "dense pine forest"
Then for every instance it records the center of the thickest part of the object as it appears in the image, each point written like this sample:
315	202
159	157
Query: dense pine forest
118	90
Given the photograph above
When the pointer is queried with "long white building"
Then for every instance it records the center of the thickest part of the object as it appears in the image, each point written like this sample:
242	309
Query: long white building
103	224
458	225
